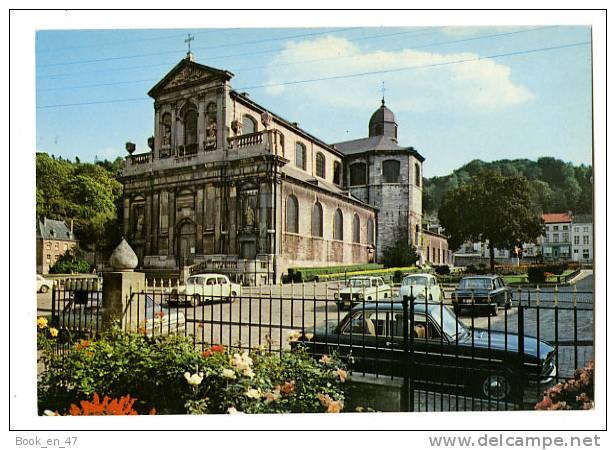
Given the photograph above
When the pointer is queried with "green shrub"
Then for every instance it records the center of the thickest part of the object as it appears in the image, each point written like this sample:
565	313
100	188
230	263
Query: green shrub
536	274
168	374
401	254
302	274
70	262
442	270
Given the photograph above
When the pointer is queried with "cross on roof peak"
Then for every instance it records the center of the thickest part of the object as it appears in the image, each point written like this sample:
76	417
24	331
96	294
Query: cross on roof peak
188	41
383	93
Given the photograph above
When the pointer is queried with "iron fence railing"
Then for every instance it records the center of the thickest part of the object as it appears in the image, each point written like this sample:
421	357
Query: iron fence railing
472	360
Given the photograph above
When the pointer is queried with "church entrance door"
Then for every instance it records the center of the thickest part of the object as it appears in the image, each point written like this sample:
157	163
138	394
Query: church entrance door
186	243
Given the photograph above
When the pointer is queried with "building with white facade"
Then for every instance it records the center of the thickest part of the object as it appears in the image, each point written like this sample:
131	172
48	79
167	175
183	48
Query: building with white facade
556	241
581	243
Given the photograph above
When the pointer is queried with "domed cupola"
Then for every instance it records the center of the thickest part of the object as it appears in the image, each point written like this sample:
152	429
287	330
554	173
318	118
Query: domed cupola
383	123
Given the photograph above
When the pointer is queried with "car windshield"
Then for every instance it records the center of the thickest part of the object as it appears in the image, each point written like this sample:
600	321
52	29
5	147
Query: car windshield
415	281
475	283
448	321
359	282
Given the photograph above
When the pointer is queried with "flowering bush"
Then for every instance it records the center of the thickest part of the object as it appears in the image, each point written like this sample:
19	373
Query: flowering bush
577	393
168	374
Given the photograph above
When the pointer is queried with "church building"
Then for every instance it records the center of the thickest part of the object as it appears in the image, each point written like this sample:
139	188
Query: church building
228	186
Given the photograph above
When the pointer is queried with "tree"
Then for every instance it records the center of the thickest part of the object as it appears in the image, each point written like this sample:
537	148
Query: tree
491	208
400	254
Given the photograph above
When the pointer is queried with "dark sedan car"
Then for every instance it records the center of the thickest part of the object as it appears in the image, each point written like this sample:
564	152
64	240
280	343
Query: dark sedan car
442	352
482	292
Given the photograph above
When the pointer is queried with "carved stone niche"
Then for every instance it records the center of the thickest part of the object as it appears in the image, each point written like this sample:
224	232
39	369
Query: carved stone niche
248	209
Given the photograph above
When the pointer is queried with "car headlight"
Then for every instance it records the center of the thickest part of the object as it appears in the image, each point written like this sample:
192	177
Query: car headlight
336	296
360	296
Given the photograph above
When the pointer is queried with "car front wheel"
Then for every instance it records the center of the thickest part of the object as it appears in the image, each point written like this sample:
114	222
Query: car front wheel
44	289
496	386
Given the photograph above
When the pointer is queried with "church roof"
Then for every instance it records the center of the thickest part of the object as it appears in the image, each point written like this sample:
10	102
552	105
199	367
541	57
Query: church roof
185	73
54	229
374	143
383	114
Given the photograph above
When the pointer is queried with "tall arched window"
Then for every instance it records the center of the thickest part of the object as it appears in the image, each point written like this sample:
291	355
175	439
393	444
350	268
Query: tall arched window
337	173
358	174
320	165
356	229
417	175
292	214
338	225
300	155
317	220
370	231
190	126
249	125
391	171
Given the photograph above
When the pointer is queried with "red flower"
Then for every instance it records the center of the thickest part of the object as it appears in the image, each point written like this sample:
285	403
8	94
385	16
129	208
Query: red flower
218	348
108	407
160	314
207	353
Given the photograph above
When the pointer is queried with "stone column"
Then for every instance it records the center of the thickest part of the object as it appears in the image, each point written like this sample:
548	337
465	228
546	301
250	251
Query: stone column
118	285
157	131
171	224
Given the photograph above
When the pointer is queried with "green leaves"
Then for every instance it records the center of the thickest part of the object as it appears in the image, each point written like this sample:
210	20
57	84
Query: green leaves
88	193
493	208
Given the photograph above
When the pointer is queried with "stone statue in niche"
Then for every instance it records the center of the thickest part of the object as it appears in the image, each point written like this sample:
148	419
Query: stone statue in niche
249	216
249	207
139	223
211	130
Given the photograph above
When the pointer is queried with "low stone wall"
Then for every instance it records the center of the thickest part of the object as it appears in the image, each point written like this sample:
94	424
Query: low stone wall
380	393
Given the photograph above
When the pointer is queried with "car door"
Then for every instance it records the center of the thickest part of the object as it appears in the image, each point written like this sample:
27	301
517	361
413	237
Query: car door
223	285
210	288
366	336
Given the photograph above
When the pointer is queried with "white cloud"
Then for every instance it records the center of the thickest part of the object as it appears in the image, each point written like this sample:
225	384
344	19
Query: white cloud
483	85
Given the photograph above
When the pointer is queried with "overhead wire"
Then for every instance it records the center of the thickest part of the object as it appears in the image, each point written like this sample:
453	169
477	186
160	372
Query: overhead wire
355	75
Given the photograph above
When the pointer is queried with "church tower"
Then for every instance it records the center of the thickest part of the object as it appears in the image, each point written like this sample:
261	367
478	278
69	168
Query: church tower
380	172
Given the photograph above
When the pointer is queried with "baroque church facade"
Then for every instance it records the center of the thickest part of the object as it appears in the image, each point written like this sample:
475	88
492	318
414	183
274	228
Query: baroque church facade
231	187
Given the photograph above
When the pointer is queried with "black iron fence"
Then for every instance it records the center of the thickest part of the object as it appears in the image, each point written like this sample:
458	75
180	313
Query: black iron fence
450	352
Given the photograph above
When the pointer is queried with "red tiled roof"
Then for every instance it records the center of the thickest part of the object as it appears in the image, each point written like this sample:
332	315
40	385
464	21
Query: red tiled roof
556	217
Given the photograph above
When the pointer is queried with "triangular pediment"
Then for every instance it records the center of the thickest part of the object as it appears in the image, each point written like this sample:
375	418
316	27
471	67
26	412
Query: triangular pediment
187	73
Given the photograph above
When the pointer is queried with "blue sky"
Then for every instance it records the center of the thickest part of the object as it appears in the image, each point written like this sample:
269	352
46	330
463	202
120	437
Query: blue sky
454	101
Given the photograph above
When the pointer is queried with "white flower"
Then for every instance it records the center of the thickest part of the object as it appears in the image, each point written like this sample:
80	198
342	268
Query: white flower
325	359
253	393
228	373
309	336
247	372
49	412
232	410
195	379
242	362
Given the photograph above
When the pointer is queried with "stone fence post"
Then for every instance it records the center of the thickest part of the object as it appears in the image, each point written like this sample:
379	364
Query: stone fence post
119	284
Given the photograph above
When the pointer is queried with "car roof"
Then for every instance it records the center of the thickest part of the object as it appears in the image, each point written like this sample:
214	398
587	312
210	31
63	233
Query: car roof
480	277
419	275
203	275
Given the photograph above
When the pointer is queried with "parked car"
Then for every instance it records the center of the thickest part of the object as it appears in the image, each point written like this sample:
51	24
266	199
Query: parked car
205	287
483	292
42	284
422	287
443	353
149	317
359	289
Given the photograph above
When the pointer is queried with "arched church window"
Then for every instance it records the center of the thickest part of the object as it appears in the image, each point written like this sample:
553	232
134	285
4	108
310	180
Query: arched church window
249	124
338	225
300	155
358	174
317	220
320	165
391	171
356	229
370	227
292	214
338	173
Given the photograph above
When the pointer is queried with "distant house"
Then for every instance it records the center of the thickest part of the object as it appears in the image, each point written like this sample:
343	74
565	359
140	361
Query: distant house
556	240
582	238
434	248
53	239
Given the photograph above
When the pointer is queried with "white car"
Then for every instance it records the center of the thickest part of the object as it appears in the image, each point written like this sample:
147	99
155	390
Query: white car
359	289
422	286
42	284
205	287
